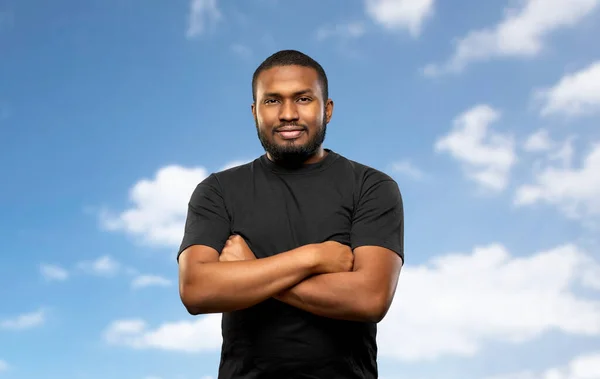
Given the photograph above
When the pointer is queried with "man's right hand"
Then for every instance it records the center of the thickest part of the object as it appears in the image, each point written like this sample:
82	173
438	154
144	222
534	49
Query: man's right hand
236	249
332	257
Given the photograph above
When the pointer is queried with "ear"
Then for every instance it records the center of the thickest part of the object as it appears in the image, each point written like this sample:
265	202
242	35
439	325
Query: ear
328	110
253	109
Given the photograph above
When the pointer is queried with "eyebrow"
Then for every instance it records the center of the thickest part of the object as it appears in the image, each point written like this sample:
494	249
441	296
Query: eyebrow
297	93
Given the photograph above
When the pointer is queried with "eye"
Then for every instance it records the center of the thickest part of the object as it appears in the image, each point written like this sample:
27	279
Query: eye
270	101
304	99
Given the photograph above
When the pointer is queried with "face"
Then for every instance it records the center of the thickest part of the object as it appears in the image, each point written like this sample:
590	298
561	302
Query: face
291	114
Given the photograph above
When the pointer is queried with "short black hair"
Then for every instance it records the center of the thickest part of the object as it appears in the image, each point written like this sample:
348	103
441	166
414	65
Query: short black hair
291	58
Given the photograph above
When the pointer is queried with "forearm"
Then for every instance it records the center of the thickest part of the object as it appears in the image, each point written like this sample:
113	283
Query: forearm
343	296
217	287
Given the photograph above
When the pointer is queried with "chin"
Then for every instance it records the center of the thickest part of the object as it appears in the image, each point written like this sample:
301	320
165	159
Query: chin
298	142
293	145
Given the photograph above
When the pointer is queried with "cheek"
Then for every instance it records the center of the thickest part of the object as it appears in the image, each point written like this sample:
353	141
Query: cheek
313	116
264	118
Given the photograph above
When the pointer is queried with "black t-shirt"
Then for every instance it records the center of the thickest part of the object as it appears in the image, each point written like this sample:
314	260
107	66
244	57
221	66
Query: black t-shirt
277	209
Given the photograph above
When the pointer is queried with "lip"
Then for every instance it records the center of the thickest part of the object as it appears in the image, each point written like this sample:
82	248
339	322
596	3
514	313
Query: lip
290	129
290	134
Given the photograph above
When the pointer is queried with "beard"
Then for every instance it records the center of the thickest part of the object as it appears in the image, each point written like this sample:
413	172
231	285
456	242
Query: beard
288	153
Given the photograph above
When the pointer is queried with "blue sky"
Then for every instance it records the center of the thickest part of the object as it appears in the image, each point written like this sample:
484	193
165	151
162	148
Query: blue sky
486	113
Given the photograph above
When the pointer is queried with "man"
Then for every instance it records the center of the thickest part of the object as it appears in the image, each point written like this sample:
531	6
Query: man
300	249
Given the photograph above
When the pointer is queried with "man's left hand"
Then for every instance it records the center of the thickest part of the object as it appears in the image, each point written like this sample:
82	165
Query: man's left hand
236	249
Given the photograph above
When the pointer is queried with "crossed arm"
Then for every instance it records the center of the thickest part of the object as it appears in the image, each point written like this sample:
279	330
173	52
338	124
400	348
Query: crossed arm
211	282
363	294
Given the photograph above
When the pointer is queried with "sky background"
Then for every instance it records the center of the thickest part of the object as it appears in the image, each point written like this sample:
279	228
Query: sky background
485	112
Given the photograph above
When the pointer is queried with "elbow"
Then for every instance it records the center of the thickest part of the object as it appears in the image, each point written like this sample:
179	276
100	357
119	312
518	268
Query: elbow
193	311
192	300
374	316
377	317
377	309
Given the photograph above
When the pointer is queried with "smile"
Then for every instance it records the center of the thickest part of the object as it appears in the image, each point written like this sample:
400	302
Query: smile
290	134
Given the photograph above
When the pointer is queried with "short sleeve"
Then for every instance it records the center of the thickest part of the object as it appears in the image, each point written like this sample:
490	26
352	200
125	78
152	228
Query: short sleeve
379	216
207	221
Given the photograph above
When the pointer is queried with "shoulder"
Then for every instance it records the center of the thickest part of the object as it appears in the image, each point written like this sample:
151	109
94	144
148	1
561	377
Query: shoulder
234	174
372	187
214	183
366	176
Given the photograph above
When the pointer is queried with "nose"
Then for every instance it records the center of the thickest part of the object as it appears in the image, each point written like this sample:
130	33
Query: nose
288	111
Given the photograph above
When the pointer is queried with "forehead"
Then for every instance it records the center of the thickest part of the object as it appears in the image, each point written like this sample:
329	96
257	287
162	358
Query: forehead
284	79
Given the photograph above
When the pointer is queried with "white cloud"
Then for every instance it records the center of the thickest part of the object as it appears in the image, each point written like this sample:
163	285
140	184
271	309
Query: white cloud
103	266
343	31
576	94
407	168
539	141
591	277
455	303
201	334
203	14
53	272
159	206
574	190
487	157
400	14
586	366
563	153
143	281
451	306
24	321
3	365
521	33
